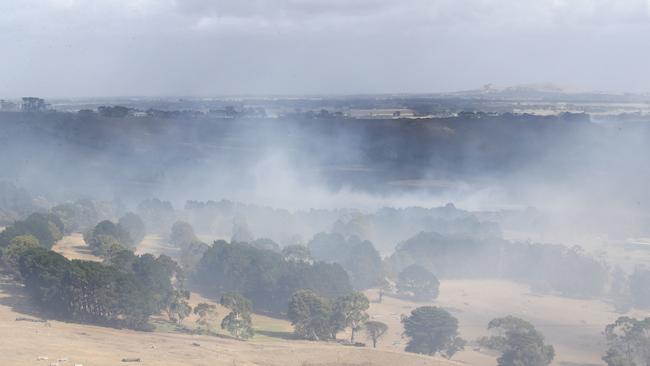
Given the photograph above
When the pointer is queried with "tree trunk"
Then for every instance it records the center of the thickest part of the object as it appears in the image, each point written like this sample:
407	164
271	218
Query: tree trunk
374	342
352	336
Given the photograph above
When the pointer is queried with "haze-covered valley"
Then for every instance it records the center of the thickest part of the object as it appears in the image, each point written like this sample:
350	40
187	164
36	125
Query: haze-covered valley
543	210
324	183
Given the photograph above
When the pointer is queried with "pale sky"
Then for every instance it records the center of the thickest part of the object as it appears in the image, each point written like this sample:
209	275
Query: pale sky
77	48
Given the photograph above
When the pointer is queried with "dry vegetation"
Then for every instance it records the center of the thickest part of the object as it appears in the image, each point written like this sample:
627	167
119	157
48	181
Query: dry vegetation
573	326
99	346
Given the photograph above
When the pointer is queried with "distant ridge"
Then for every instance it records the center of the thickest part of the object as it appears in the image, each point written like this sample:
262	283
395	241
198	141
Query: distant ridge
548	92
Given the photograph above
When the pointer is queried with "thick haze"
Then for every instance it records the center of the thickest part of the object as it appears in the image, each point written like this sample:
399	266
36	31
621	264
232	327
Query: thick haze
200	47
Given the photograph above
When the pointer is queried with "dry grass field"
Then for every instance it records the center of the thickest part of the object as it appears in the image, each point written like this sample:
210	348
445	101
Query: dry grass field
73	247
24	342
101	346
573	326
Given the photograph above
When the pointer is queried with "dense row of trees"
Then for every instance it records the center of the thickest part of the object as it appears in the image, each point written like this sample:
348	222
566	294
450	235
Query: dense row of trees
47	228
358	257
126	291
81	215
265	277
569	271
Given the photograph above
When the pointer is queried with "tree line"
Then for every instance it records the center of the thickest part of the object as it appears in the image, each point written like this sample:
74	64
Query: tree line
125	290
265	277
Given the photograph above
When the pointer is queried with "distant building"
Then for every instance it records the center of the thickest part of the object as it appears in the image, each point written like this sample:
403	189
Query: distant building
31	104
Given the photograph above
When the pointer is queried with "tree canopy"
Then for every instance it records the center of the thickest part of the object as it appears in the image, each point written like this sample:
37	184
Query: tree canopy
629	342
520	343
375	330
349	311
418	283
107	237
238	322
310	315
124	295
432	330
359	258
264	276
47	228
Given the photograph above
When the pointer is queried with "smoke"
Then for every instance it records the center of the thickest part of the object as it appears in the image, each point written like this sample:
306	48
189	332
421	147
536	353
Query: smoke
586	181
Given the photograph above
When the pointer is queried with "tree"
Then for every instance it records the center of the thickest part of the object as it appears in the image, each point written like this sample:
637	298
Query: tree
134	226
238	322
432	330
616	358
310	315
106	245
629	342
207	314
17	246
105	235
350	311
520	343
47	228
416	281
179	308
375	330
182	234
